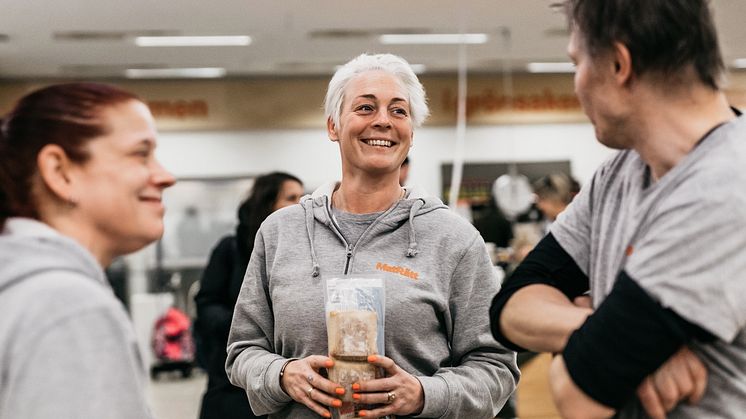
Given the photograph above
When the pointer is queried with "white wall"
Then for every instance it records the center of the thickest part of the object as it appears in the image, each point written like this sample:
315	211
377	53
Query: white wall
309	155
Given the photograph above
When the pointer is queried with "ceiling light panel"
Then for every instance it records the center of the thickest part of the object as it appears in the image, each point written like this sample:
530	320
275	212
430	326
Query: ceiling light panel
551	67
167	73
434	38
192	41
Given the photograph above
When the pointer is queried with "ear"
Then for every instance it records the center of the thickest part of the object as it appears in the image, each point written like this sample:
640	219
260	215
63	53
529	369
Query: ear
331	130
622	64
55	171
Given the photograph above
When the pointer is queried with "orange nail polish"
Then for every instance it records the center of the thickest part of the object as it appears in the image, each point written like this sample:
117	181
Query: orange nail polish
362	413
339	390
355	396
372	358
329	363
337	403
356	386
327	415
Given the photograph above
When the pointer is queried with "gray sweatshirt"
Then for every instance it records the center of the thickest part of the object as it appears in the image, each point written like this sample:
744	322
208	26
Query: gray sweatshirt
439	284
67	348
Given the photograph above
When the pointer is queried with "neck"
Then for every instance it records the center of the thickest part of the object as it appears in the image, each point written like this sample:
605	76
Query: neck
68	226
364	196
668	128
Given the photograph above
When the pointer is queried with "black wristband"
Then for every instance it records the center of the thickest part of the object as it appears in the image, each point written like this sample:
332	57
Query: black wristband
282	372
628	337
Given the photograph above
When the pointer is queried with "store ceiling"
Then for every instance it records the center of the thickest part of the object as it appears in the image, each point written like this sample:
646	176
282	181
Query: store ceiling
94	38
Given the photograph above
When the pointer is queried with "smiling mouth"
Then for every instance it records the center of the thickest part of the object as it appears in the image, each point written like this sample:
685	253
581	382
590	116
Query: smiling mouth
378	143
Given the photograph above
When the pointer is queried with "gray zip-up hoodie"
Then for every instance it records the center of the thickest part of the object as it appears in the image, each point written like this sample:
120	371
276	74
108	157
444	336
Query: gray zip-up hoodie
67	348
439	284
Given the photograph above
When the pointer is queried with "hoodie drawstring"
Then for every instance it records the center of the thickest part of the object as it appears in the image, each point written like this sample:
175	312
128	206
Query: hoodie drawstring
412	249
310	230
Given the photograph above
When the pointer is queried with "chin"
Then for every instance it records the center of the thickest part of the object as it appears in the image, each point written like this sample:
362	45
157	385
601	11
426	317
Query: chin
156	232
153	232
610	142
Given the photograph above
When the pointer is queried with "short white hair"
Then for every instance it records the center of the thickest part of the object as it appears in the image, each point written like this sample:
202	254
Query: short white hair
393	64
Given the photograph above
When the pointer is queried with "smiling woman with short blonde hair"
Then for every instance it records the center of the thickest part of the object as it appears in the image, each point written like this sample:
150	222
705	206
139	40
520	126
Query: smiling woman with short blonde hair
440	360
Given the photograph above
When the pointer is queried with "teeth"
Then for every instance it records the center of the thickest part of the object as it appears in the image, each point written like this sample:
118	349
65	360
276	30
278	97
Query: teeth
379	143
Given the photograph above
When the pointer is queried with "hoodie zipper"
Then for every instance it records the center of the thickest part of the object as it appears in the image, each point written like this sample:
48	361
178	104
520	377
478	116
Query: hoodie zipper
349	247
349	257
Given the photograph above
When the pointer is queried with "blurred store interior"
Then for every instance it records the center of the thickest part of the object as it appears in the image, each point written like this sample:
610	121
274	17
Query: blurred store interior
245	97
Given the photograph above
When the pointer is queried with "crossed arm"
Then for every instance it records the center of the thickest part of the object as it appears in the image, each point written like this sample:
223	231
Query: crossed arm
604	358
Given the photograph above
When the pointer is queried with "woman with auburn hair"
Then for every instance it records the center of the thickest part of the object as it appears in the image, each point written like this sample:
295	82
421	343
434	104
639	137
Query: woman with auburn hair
79	186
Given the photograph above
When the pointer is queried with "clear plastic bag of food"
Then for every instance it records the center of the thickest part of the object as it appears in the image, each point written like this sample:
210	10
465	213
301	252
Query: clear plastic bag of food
355	310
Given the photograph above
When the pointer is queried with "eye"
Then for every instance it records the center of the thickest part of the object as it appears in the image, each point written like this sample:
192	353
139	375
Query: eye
365	108
143	153
400	111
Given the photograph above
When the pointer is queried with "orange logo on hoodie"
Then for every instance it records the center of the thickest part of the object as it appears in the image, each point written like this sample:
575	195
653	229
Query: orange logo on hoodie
398	270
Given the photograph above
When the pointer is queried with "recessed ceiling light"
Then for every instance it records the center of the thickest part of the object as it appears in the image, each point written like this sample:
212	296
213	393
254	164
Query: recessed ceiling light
434	38
739	63
551	67
156	73
192	41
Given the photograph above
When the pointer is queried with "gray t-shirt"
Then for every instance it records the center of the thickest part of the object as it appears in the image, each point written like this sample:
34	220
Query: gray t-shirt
683	240
352	226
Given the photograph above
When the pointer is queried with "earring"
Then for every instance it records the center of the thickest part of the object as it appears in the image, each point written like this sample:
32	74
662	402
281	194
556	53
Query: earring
71	201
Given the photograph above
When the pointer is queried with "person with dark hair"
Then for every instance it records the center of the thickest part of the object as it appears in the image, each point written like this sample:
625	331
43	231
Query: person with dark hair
79	186
493	225
440	360
656	237
220	284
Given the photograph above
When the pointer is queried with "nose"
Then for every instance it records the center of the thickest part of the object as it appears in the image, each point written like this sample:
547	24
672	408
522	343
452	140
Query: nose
160	176
383	119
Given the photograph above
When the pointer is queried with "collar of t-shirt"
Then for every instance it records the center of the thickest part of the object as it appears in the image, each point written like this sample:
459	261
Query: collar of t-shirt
352	226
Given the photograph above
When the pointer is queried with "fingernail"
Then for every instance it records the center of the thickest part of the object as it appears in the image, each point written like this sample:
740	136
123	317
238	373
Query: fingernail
339	390
329	363
356	386
372	358
327	415
355	396
337	403
362	413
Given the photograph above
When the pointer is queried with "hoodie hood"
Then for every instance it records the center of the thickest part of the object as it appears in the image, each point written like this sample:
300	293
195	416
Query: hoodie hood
29	247
415	203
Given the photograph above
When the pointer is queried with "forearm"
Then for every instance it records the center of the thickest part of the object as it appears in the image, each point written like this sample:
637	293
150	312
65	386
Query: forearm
478	388
571	402
258	372
252	363
540	318
483	373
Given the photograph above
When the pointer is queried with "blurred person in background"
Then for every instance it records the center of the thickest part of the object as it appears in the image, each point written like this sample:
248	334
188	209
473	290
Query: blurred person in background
656	237
440	360
554	192
220	285
79	186
493	225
